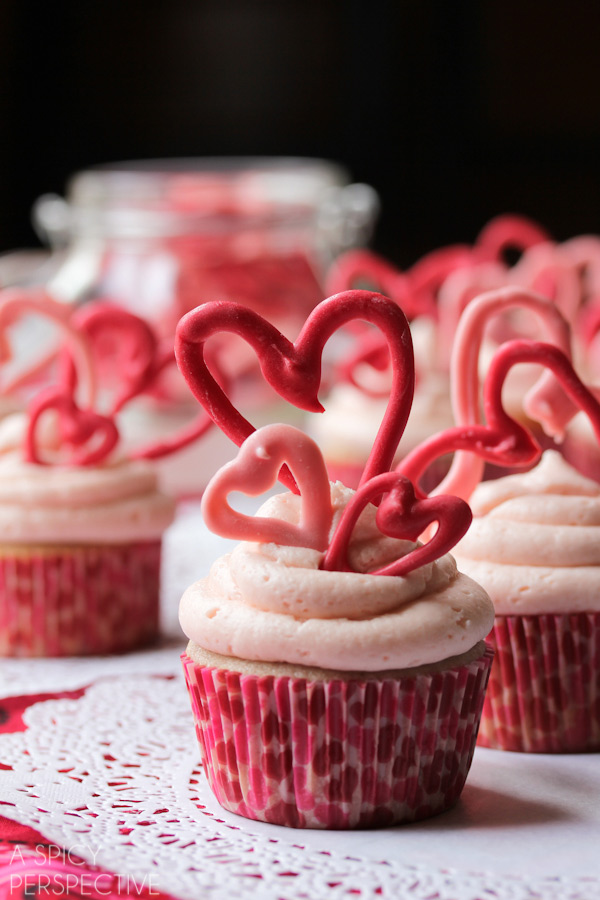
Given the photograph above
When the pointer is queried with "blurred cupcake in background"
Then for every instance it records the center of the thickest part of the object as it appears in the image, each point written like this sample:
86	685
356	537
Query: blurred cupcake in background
81	521
533	543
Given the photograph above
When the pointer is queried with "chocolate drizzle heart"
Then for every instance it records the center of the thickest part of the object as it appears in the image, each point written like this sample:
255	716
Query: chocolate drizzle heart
294	369
403	516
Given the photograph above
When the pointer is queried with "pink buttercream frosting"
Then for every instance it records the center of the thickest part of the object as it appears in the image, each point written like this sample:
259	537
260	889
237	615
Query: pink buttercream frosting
117	502
535	540
273	603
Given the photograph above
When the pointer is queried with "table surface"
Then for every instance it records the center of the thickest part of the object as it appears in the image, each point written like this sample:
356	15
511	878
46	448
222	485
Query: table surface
104	768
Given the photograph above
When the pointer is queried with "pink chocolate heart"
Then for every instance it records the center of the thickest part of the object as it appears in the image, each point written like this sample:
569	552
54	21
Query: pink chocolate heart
255	470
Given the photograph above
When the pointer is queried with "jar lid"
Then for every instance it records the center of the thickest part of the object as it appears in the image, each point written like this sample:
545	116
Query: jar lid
154	198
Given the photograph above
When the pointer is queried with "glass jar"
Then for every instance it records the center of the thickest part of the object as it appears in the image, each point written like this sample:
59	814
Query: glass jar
161	237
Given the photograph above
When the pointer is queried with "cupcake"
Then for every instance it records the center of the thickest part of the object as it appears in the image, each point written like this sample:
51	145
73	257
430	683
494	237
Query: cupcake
80	524
535	546
532	544
332	699
79	553
336	668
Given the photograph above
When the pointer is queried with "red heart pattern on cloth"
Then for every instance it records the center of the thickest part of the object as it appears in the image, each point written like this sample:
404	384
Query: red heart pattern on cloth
294	369
404	516
92	435
255	470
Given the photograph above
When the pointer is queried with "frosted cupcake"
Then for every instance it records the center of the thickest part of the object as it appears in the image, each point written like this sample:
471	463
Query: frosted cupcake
80	525
532	545
535	546
80	552
336	668
326	698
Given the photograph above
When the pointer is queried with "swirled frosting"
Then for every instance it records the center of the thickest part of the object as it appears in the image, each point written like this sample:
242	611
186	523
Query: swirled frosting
272	603
114	503
534	543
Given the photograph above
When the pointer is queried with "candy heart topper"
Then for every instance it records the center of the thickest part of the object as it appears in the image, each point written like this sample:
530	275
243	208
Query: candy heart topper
356	266
416	289
294	369
503	440
254	471
14	305
91	335
545	402
122	343
125	346
370	350
95	435
510	232
439	286
400	515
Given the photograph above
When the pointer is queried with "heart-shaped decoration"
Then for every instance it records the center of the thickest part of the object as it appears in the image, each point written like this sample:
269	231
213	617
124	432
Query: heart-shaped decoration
503	440
294	369
123	346
17	303
370	352
414	290
94	436
254	471
403	516
467	469
509	232
126	344
358	266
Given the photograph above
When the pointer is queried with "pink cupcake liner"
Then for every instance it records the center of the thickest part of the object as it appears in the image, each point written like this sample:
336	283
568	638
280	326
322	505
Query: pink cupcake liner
337	754
80	601
544	690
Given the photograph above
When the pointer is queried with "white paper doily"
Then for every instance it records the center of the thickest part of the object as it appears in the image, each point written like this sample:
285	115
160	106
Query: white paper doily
114	776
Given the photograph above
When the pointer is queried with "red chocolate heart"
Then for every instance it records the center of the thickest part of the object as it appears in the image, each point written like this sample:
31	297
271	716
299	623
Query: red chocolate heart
358	266
294	369
503	440
141	359
122	344
401	515
94	434
255	470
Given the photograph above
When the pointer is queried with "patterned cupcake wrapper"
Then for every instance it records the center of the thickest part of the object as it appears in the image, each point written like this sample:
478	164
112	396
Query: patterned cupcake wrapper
544	690
337	754
80	601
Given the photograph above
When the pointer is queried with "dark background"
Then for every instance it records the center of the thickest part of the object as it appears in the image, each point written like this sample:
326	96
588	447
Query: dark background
454	111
